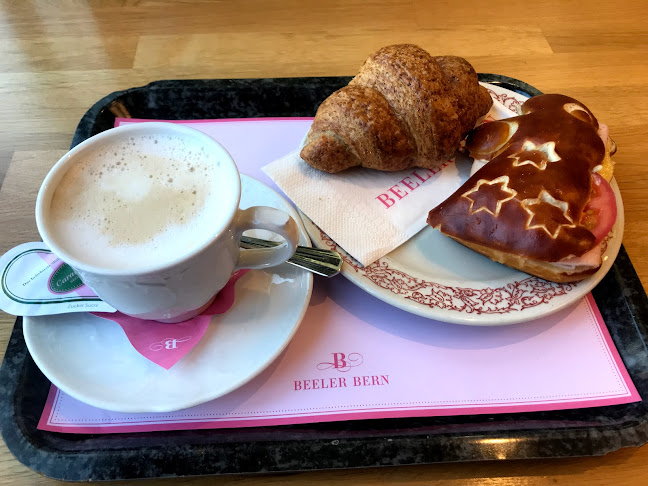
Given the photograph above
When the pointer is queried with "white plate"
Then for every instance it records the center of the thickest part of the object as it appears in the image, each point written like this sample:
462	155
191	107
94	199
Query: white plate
91	359
433	276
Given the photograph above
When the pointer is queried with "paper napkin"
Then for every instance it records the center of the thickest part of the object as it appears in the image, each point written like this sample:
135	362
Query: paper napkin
367	212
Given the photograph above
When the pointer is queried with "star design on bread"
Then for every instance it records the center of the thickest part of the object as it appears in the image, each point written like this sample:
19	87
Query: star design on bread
536	155
489	195
547	213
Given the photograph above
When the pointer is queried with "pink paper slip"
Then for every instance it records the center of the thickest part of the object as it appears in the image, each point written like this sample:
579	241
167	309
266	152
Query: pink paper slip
165	345
356	357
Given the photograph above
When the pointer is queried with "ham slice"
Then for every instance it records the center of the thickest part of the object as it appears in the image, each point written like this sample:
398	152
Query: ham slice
604	133
591	259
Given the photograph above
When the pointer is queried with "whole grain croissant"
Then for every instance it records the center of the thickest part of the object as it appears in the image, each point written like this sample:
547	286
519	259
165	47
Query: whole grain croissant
404	108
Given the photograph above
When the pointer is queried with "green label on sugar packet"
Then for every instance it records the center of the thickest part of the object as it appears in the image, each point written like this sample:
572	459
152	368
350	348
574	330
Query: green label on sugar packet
35	282
64	280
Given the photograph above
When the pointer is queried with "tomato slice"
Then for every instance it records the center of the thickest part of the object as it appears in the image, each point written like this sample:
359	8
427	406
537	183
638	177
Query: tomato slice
601	210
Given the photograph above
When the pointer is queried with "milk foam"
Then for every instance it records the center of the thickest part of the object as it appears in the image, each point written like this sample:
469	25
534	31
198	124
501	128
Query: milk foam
143	201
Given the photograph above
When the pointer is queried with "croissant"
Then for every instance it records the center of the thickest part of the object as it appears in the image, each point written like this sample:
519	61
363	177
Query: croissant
403	109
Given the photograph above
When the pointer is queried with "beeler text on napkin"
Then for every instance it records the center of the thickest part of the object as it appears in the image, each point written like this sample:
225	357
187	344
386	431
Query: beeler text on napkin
408	184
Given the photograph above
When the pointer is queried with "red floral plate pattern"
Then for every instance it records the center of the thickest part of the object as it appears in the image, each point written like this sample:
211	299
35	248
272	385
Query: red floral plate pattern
432	276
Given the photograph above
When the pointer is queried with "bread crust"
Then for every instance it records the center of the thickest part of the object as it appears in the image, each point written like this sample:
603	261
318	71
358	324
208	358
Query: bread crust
373	133
546	270
525	207
404	108
470	103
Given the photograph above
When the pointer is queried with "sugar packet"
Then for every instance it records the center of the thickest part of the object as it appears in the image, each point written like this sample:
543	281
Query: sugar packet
35	282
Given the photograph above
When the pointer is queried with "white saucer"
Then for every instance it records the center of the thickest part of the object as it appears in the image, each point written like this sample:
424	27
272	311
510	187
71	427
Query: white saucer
433	276
91	359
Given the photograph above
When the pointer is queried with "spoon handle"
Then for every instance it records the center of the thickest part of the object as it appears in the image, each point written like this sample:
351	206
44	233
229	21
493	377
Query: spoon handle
322	262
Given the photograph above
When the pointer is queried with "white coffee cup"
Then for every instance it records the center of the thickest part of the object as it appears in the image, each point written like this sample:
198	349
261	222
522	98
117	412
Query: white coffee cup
172	274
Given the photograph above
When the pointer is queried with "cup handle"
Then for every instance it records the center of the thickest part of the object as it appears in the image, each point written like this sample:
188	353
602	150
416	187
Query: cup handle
271	219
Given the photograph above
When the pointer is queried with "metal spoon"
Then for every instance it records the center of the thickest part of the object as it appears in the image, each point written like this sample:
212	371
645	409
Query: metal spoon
322	262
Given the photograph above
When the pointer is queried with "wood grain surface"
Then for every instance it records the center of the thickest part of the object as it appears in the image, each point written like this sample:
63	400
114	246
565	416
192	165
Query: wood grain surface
58	57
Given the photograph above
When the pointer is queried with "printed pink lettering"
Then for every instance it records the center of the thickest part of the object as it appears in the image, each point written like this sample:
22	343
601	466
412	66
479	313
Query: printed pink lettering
407	185
386	200
338	360
373	380
417	175
407	182
319	384
395	190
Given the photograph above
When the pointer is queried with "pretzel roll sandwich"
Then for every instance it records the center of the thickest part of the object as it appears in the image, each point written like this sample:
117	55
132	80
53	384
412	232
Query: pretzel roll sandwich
542	203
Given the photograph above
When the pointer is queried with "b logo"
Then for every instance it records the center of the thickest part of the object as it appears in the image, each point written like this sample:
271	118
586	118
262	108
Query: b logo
342	362
169	343
338	361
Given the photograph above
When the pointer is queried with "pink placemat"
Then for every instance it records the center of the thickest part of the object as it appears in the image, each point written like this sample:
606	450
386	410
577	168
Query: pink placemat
355	357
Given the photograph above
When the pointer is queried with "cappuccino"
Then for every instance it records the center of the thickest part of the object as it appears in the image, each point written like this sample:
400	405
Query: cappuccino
139	201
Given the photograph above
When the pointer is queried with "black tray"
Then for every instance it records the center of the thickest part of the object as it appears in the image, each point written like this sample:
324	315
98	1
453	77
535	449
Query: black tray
350	444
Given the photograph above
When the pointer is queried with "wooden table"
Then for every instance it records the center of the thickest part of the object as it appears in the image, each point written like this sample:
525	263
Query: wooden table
58	58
